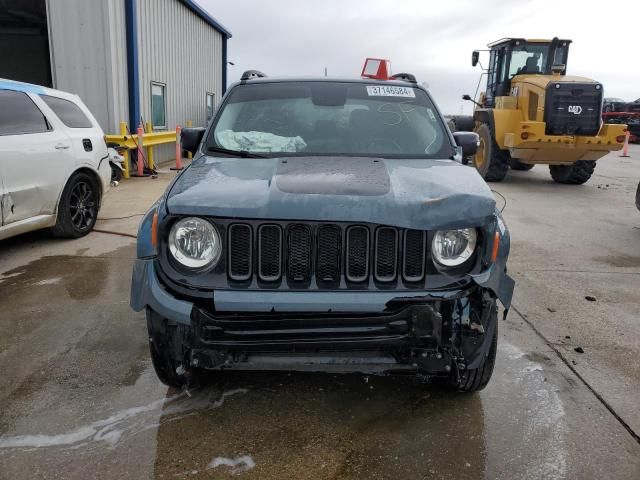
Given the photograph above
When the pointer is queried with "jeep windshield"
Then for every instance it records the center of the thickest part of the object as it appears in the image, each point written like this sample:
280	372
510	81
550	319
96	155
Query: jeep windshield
315	118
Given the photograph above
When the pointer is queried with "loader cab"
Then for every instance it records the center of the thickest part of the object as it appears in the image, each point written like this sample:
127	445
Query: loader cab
516	56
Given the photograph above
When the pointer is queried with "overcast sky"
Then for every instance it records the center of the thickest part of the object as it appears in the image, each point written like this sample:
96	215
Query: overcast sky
431	39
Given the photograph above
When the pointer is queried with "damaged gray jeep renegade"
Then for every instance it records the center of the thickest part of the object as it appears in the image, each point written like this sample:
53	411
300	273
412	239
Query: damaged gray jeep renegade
325	225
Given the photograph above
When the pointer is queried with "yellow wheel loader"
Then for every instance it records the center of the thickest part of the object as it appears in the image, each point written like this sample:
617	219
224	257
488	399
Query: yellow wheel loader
533	112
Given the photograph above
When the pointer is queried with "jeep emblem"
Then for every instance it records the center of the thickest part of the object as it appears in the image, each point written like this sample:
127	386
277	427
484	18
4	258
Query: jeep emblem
576	109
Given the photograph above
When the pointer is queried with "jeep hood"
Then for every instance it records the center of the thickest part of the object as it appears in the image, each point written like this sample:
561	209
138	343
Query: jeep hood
418	194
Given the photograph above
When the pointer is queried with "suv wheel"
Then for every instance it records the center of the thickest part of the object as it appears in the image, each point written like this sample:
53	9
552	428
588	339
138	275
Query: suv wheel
78	208
575	174
491	162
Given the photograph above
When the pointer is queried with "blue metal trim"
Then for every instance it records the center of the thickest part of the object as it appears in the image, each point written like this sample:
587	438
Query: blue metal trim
21	86
224	65
317	301
131	17
202	13
146	291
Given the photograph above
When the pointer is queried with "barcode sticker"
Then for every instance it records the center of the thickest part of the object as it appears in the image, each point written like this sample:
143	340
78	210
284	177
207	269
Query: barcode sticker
389	91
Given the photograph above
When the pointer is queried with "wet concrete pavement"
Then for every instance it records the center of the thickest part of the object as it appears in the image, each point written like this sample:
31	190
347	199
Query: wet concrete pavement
79	398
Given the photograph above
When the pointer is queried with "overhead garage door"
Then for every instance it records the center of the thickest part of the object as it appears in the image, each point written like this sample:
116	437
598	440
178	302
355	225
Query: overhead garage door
24	41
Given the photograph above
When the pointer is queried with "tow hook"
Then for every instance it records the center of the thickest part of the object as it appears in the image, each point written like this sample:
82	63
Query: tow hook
431	361
426	322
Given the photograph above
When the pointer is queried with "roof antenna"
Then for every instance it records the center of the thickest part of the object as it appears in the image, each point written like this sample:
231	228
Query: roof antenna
325	71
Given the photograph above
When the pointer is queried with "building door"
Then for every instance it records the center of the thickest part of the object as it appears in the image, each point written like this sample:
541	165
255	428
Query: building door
24	41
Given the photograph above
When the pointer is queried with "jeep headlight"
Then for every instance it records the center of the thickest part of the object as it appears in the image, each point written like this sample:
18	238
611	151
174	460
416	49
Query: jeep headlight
452	248
195	243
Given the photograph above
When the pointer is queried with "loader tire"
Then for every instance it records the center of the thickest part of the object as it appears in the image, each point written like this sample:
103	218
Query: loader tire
575	174
491	162
518	165
463	123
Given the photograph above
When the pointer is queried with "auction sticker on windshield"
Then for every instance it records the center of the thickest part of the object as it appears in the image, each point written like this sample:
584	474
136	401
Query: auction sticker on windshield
389	91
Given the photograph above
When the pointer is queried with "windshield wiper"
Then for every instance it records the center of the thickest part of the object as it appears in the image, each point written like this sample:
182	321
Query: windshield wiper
235	153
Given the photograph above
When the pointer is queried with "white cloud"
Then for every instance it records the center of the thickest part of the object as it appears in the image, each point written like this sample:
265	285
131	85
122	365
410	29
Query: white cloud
431	39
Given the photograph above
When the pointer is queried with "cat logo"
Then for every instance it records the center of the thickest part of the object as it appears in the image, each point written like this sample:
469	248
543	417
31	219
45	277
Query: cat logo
575	109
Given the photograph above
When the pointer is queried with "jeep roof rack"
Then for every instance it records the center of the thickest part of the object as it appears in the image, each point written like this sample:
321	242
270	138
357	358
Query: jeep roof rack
407	77
251	74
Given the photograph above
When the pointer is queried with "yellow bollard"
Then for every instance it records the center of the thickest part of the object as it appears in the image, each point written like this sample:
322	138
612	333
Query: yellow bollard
152	165
189	124
123	132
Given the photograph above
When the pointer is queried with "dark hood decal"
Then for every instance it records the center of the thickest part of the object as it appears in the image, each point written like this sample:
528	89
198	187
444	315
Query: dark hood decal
333	176
420	194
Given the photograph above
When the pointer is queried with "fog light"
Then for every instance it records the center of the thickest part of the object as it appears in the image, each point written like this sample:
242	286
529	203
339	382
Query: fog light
620	138
524	135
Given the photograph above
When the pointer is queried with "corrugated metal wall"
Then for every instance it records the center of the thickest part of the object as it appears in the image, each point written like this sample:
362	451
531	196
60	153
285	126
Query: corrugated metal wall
179	49
88	53
175	47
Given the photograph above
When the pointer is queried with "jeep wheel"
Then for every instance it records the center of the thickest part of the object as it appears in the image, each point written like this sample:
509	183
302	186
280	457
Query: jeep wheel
491	162
163	339
575	174
78	208
518	165
473	380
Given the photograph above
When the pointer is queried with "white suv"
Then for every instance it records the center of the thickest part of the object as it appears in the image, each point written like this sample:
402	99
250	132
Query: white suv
54	165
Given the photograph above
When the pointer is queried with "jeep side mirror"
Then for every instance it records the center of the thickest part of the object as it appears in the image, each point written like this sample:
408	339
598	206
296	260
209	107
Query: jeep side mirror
468	141
191	138
466	97
475	57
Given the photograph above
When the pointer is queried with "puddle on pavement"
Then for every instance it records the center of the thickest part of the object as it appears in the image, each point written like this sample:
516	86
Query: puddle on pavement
279	425
621	261
46	287
83	278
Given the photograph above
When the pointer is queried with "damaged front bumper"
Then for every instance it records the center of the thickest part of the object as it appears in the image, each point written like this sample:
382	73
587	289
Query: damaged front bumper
427	332
148	291
428	337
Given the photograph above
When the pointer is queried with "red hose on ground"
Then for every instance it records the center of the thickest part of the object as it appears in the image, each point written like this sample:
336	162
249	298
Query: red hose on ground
121	234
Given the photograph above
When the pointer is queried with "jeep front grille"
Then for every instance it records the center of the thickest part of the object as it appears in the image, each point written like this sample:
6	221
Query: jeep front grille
328	254
413	262
299	253
386	254
241	263
269	252
357	254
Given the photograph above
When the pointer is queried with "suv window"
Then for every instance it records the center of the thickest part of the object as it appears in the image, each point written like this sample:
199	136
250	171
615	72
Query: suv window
331	118
19	115
68	112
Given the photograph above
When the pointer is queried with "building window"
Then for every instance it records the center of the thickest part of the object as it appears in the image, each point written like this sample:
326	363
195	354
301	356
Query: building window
210	105
158	105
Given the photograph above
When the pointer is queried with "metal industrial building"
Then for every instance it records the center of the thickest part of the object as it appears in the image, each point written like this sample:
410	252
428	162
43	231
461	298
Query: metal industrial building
160	61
